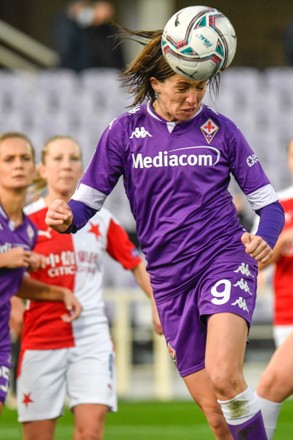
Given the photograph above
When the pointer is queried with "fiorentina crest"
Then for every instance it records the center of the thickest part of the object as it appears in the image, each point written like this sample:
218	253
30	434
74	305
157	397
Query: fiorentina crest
209	129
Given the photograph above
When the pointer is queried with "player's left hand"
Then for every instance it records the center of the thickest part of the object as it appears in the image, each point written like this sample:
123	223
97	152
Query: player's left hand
256	247
72	305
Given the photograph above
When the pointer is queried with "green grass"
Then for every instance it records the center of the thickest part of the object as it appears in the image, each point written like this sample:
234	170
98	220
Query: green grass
141	420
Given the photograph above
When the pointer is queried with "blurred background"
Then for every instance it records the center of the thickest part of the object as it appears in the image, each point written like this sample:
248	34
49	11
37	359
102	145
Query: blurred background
260	25
59	71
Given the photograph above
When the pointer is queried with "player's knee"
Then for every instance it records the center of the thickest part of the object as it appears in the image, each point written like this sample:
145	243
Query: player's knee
89	433
225	382
273	386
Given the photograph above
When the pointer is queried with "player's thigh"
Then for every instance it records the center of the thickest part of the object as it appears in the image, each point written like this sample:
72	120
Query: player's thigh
226	342
39	430
41	384
91	377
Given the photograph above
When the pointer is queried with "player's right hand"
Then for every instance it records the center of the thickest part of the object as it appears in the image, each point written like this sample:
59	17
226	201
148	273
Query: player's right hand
59	215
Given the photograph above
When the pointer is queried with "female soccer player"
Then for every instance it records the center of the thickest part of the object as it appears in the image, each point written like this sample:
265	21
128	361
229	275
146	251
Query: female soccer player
17	238
276	382
176	156
77	360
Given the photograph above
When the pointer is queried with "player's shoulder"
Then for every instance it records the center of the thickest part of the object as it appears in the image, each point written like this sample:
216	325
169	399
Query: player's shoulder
35	206
286	194
129	117
218	117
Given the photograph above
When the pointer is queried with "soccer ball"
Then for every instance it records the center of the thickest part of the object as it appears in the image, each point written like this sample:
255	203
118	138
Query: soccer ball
198	42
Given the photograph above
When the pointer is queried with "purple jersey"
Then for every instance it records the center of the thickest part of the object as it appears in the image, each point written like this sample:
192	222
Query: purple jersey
176	177
24	235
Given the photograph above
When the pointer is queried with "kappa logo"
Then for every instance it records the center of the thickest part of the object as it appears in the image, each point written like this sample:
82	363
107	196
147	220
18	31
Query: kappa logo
140	133
134	110
244	270
241	303
243	286
209	130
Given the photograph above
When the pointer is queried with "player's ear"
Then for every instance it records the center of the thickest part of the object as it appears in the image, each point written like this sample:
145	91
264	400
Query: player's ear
155	84
42	171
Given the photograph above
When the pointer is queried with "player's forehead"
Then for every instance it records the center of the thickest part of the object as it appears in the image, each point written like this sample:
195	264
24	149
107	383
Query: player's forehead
14	146
181	81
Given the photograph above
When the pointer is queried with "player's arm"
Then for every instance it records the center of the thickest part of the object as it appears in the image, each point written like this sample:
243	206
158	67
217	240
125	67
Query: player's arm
260	246
38	291
143	280
285	239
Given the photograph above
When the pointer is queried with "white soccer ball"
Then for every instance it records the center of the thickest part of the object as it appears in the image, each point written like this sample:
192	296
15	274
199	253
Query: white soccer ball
198	42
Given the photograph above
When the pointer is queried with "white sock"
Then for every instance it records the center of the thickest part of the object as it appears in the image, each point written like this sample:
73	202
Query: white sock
270	413
241	408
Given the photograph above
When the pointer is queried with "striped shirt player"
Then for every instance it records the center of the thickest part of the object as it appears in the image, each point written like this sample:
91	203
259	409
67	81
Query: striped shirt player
25	236
48	343
165	166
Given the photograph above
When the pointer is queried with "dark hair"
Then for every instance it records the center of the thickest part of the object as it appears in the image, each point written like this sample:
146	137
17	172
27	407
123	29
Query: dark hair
16	134
150	63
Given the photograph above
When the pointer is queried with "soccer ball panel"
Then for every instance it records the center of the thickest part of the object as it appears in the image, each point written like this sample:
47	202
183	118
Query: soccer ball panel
198	42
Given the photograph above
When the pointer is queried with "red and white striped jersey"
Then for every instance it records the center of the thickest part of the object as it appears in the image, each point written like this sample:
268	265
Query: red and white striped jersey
74	261
283	277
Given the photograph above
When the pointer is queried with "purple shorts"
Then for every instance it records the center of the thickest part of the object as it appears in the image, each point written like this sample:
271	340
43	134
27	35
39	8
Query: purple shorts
5	367
228	284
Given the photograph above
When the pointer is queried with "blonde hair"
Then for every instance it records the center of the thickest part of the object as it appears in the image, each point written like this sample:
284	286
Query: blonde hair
39	183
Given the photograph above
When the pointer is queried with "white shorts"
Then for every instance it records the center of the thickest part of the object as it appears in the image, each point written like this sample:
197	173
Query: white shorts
280	333
84	374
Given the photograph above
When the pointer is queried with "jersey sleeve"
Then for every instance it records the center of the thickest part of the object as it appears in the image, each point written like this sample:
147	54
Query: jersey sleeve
248	172
120	247
104	169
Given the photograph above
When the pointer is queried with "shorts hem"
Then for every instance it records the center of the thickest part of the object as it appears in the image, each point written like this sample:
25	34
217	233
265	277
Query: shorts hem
38	418
192	370
111	408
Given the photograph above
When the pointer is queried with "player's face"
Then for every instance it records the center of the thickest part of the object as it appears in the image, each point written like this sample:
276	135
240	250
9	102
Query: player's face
63	167
290	156
178	98
17	167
